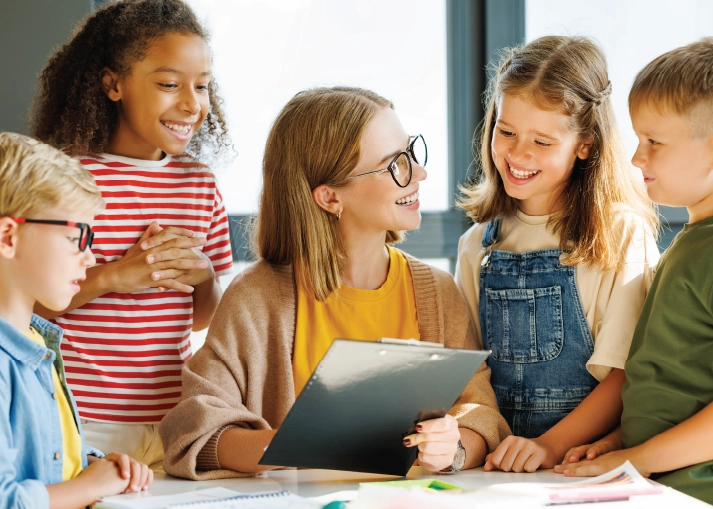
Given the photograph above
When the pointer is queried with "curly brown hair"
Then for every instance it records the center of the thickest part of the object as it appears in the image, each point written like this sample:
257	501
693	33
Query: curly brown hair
71	108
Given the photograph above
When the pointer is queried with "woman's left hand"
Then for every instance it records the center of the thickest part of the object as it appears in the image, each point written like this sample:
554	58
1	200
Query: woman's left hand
437	442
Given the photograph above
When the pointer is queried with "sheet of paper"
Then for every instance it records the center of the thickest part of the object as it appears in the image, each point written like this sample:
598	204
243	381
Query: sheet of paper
271	500
622	482
147	501
618	484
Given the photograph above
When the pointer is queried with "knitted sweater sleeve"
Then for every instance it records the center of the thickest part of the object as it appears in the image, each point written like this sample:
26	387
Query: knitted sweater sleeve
241	377
477	407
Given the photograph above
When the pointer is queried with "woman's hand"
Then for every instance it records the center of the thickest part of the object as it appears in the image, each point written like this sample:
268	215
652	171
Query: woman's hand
437	442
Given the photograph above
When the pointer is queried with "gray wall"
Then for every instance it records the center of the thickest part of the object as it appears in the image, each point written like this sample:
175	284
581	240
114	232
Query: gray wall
29	32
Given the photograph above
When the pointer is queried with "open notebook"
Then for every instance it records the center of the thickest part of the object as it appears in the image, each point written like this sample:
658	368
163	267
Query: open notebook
210	498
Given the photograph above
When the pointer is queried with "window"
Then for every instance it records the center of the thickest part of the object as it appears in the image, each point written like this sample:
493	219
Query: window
632	34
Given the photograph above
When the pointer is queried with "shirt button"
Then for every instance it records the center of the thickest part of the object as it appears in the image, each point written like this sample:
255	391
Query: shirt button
47	356
54	395
57	455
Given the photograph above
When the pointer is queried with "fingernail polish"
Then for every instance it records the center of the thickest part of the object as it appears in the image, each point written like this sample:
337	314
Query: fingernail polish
419	427
407	442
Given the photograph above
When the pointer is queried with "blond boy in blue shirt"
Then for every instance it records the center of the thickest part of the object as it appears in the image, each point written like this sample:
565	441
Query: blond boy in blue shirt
47	203
667	425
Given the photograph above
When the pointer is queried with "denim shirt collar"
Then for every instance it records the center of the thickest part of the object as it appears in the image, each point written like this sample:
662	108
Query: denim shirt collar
23	349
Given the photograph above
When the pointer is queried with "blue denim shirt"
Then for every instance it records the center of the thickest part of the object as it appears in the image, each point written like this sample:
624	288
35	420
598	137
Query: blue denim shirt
31	452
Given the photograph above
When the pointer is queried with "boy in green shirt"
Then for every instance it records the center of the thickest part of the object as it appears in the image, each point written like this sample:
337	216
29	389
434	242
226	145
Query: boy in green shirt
667	425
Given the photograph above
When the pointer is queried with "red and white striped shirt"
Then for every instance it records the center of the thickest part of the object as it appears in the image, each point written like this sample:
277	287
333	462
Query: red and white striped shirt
123	352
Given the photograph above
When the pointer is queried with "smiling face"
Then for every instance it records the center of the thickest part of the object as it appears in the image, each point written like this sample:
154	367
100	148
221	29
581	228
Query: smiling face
374	203
164	99
534	151
49	264
677	167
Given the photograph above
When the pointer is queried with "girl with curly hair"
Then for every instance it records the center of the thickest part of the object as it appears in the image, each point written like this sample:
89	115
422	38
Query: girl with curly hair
131	96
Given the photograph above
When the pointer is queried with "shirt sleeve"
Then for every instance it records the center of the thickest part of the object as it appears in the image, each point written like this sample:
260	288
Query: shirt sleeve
621	306
217	246
467	277
13	491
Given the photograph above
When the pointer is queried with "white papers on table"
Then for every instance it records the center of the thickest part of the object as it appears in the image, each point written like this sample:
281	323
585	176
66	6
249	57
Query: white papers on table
145	500
616	485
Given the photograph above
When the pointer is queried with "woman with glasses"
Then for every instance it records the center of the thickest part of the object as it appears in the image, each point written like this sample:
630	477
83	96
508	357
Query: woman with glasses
340	185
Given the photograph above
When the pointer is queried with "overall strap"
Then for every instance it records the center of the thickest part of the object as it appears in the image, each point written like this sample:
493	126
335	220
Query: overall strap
492	232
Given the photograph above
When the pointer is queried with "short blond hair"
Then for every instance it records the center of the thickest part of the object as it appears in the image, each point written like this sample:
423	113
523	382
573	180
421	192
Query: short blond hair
680	82
35	177
315	140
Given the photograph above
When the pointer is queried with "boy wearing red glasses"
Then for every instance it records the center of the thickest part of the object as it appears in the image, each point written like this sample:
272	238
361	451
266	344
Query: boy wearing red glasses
47	202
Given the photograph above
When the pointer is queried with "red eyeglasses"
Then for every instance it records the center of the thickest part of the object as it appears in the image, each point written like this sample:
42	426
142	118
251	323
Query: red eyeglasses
86	235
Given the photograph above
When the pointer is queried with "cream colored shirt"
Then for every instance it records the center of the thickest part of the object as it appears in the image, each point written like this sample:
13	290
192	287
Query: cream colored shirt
612	300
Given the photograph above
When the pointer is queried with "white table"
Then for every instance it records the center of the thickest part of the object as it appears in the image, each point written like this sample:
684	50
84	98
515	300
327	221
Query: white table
313	483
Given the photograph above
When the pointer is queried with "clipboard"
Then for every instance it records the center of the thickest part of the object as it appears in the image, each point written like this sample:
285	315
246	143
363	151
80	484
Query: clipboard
363	399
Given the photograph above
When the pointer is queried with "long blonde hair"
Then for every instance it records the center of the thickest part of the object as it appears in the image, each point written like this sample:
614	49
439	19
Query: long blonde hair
568	75
315	140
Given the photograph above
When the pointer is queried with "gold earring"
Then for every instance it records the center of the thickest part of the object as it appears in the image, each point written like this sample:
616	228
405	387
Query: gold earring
339	215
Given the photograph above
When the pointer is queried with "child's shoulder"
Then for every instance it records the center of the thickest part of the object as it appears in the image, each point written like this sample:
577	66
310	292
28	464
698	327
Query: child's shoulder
636	236
473	237
188	161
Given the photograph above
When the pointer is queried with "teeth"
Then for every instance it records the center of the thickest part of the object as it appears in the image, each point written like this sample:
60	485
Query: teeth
408	200
181	129
522	174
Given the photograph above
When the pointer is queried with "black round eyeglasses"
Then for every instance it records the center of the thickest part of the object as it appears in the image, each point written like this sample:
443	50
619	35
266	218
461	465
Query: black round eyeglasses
401	168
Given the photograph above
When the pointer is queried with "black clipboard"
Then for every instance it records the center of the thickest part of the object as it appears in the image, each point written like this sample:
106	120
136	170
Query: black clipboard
363	398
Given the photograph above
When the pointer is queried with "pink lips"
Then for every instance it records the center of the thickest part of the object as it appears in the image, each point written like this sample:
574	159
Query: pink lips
514	180
183	137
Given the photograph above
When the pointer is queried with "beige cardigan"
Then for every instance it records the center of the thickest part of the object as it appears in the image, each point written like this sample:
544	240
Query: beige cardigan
243	374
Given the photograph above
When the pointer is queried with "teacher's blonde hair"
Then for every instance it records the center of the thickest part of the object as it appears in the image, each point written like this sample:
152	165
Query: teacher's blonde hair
314	141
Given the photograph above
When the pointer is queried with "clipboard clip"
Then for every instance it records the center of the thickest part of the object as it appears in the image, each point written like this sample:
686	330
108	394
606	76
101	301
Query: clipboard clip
409	342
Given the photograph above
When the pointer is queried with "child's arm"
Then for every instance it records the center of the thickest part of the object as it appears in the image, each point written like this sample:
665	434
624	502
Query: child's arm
683	445
111	475
611	442
596	415
133	272
205	301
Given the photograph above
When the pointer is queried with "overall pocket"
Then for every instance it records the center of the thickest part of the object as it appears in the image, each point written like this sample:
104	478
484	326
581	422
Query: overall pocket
524	325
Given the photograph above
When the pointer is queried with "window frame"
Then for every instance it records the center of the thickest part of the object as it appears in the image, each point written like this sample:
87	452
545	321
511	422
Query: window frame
475	31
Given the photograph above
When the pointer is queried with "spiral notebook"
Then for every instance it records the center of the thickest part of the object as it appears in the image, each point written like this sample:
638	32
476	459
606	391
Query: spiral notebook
363	398
272	500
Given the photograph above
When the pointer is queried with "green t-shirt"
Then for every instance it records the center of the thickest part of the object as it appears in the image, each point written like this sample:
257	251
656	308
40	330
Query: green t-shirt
670	367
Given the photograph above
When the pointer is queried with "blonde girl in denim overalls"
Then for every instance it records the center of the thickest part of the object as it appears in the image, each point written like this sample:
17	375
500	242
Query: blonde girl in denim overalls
558	264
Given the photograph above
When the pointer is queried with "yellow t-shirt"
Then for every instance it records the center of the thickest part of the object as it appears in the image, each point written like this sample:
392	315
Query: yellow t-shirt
71	440
351	313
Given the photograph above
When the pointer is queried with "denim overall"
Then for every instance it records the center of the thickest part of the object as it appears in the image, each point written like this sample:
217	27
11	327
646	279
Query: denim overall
532	319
